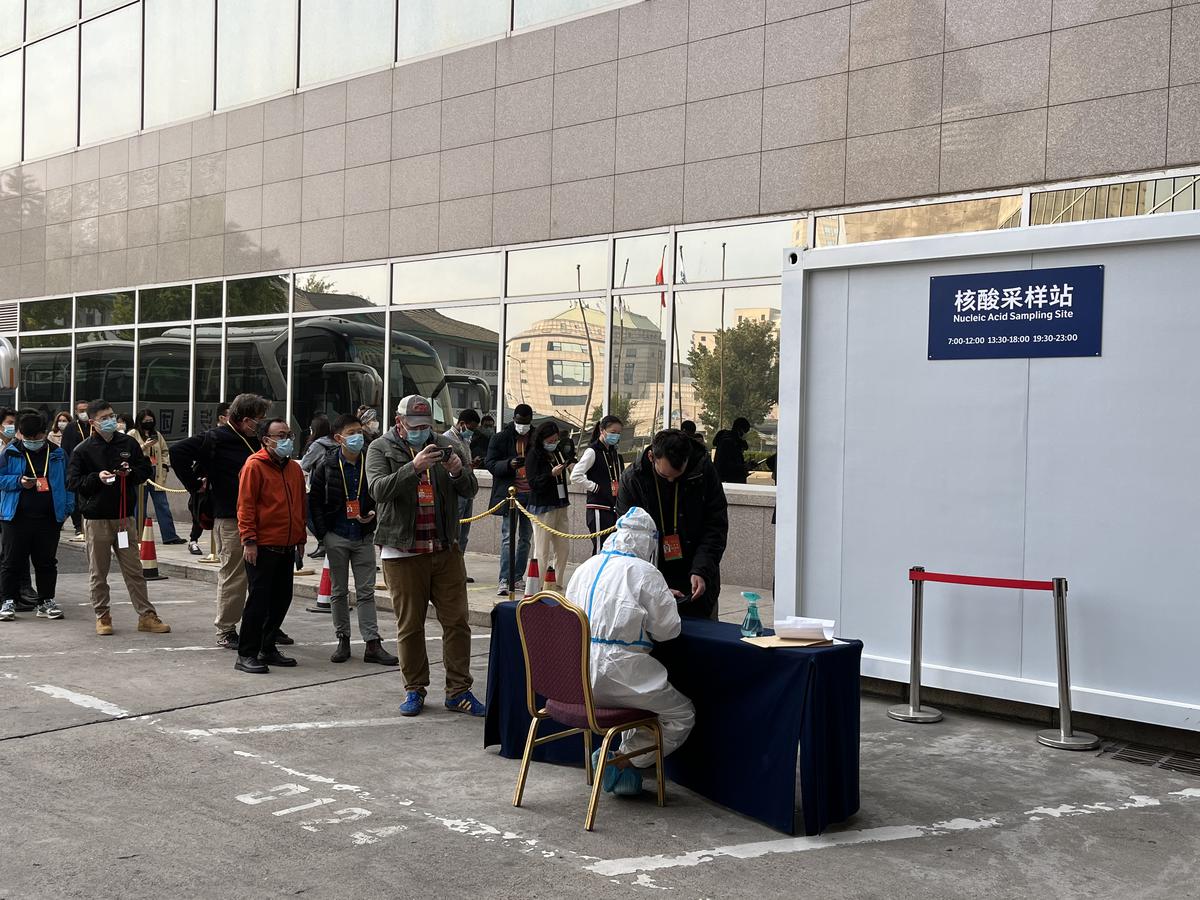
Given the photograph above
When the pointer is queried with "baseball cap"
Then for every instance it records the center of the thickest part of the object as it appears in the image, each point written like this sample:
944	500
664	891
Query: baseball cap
416	410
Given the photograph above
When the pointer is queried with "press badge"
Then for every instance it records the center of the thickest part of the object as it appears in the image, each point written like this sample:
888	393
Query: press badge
43	484
615	486
122	540
521	473
562	491
672	548
424	493
352	509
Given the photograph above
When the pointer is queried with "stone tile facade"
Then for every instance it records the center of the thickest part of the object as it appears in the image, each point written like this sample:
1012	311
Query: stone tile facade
665	111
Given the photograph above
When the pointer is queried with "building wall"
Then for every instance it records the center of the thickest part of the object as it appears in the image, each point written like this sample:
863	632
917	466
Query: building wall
666	111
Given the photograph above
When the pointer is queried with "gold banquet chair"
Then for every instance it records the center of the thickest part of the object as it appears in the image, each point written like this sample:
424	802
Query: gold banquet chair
555	641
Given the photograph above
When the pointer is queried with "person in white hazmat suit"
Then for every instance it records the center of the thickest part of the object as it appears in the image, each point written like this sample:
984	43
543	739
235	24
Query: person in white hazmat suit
629	605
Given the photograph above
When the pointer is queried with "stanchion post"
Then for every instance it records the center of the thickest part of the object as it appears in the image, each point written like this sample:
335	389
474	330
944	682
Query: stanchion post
1063	738
512	541
912	711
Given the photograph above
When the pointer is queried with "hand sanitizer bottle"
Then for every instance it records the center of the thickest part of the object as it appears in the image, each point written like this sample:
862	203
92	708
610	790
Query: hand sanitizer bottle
752	625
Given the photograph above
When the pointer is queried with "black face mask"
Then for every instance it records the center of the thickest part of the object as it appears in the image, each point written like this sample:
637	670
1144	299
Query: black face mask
148	427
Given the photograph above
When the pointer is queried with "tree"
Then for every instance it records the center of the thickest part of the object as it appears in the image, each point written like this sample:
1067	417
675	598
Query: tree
619	406
315	284
751	378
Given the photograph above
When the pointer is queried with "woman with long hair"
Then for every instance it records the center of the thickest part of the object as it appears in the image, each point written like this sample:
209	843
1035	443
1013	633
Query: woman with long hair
599	471
154	447
548	500
58	427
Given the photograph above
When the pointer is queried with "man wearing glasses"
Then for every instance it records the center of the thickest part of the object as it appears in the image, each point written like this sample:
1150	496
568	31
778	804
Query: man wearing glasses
213	462
271	524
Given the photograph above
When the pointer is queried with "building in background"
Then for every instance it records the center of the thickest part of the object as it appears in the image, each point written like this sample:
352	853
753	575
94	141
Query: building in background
336	204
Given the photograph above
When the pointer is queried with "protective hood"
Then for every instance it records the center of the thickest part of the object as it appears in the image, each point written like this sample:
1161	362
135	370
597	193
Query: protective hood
636	534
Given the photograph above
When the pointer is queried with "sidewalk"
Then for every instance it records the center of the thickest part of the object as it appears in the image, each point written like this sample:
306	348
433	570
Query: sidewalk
176	562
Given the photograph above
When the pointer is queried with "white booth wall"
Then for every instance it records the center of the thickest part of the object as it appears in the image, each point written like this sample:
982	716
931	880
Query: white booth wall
1086	468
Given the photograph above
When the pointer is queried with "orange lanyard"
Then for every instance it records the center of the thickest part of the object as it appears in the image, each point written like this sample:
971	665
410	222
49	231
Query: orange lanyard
345	486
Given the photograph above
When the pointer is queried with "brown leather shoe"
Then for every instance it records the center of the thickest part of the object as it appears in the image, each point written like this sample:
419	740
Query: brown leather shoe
104	625
152	623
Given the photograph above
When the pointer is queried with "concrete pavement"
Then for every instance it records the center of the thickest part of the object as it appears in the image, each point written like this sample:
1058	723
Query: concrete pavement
145	766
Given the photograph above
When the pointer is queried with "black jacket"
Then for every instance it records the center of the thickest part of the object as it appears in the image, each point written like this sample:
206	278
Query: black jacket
77	432
479	445
543	485
98	500
218	455
501	450
730	457
703	524
327	494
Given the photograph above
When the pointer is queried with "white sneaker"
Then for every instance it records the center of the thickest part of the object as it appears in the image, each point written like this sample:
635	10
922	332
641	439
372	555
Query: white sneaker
49	610
502	591
79	538
8	611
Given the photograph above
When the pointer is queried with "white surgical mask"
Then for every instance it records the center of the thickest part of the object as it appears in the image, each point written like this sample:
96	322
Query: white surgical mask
61	425
521	429
83	416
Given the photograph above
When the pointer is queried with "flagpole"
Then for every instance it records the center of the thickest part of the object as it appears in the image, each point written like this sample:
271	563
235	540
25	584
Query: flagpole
662	304
719	345
587	333
675	330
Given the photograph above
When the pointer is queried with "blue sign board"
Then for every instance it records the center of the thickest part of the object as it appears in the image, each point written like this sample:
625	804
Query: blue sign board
1027	313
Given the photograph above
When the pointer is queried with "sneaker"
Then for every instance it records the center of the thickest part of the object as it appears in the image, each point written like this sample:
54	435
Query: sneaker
104	625
174	541
466	702
49	610
79	538
628	782
152	623
228	640
414	702
194	548
8	611
502	591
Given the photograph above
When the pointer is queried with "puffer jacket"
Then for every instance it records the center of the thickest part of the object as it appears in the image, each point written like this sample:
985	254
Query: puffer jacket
13	466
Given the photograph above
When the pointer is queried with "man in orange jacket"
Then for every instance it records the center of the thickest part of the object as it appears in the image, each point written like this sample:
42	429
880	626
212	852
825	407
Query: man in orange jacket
271	516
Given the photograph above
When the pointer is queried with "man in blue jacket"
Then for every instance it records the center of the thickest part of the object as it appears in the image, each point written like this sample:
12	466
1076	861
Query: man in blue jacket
33	504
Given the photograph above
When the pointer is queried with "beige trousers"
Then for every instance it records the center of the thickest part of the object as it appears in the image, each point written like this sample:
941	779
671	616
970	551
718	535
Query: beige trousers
101	535
231	580
551	550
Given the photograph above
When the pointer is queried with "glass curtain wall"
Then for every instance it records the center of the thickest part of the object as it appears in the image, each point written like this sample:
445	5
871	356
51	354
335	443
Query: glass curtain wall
586	327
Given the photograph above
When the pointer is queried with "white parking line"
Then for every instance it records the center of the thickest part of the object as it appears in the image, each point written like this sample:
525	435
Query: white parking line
294	726
610	868
87	701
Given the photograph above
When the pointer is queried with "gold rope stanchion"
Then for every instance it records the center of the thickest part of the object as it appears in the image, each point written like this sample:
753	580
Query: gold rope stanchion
562	534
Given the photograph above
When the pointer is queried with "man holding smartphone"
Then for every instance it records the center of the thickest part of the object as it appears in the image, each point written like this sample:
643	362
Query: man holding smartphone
343	518
416	484
104	472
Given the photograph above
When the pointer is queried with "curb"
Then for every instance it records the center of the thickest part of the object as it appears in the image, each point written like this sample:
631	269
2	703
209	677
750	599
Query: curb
477	615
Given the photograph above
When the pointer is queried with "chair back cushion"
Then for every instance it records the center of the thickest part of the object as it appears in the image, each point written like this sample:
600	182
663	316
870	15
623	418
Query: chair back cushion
555	638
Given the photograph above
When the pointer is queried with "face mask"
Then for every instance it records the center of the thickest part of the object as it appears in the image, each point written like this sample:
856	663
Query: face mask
466	433
371	427
121	428
108	426
83	417
10	430
354	442
487	430
60	425
34	445
550	446
522	429
284	448
418	436
612	439
147	426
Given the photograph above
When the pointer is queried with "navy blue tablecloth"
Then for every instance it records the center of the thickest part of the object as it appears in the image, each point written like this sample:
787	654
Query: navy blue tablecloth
755	709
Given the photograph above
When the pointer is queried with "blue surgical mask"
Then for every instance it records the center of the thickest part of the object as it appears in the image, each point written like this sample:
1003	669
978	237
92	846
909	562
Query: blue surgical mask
466	433
354	442
10	430
612	439
550	446
34	445
418	436
108	426
284	448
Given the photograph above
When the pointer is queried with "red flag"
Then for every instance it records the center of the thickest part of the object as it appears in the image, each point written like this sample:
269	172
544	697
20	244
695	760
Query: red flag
659	279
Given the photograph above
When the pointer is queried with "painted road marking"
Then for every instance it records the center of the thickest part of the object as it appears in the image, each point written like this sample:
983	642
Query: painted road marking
616	867
294	726
87	701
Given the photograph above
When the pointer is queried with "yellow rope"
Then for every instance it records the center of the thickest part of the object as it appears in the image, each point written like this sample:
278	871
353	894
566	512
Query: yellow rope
160	487
561	534
483	514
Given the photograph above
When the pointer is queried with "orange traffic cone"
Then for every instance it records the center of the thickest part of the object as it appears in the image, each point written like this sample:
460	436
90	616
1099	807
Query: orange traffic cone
324	592
532	578
551	583
149	555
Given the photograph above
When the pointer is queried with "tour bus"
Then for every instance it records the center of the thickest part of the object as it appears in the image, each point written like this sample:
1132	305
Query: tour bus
338	365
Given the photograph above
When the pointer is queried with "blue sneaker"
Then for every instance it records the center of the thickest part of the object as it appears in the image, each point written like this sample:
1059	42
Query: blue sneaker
414	702
611	773
628	783
466	702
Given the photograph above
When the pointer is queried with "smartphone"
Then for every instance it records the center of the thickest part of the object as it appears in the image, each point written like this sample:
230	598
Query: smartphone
447	452
520	461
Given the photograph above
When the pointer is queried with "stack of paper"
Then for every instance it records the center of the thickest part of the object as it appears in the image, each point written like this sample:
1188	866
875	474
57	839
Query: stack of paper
799	628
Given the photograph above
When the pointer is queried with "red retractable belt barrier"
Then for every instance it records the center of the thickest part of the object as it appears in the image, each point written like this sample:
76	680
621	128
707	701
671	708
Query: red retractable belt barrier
1016	583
